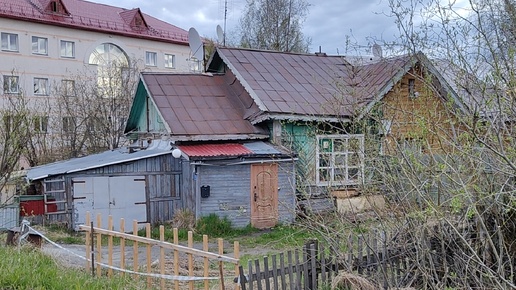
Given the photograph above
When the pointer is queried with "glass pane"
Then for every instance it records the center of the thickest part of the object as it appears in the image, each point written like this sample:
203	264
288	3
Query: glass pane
340	145
353	173
324	160
340	174
324	175
340	159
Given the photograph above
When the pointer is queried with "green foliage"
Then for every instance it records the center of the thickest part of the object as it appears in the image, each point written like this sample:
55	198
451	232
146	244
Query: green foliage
28	268
217	227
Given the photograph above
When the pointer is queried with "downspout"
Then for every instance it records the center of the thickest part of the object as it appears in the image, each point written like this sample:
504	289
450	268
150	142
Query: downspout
197	192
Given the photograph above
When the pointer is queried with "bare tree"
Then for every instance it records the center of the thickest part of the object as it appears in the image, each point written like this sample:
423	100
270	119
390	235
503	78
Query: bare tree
274	25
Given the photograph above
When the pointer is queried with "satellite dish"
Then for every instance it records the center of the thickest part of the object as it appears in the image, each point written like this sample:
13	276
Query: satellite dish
195	43
220	34
377	50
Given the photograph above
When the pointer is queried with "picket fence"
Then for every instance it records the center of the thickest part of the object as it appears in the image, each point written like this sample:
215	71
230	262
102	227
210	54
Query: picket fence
315	265
204	258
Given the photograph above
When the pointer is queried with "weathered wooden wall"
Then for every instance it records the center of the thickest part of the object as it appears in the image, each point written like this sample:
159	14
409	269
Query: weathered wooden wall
164	185
230	192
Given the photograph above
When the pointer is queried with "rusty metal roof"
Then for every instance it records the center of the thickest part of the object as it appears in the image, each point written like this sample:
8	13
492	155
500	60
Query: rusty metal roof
201	105
309	84
215	150
87	15
231	149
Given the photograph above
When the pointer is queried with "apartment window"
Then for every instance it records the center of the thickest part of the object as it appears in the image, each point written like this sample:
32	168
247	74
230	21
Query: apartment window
68	124
67	49
170	61
151	58
39	45
339	160
9	41
11	85
68	88
41	86
40	124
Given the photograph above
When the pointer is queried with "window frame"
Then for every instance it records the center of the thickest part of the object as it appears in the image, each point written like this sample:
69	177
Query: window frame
68	124
170	60
40	124
154	58
334	165
65	48
7	84
8	45
45	86
66	88
35	40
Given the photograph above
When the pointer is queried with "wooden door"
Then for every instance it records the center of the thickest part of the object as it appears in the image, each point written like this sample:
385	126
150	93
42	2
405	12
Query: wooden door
264	195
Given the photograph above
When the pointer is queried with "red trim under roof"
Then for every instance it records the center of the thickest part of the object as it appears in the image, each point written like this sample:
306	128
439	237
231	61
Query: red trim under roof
214	150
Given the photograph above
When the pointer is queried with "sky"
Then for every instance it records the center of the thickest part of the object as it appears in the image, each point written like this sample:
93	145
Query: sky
329	23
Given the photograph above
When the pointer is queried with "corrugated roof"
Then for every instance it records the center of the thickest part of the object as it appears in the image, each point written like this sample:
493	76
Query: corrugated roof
92	16
231	149
93	161
200	104
309	84
215	150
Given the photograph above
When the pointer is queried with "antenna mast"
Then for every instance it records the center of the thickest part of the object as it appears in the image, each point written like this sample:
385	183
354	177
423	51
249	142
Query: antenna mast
225	18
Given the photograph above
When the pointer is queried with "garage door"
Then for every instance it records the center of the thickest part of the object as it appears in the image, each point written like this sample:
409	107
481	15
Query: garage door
118	196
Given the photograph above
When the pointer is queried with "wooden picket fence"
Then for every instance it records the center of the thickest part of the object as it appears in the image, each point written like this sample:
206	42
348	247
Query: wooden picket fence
315	265
204	258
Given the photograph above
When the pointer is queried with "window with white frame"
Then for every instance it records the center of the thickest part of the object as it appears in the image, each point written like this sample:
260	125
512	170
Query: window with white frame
339	160
9	41
170	60
151	58
39	45
40	124
41	86
68	88
11	85
67	49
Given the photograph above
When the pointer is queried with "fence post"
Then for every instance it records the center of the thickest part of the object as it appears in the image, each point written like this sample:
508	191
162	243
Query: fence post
87	241
135	248
162	256
122	246
205	247
236	247
99	245
148	247
110	246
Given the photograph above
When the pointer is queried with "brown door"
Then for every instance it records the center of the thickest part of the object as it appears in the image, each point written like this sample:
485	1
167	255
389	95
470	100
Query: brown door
264	195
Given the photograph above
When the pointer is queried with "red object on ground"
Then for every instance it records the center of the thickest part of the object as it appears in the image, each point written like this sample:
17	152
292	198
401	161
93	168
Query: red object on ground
35	207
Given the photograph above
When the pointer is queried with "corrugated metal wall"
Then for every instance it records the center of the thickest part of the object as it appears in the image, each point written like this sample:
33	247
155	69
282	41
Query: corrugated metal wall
230	192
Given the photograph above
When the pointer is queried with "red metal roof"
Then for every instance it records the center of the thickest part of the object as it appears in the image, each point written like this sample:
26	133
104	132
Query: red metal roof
215	150
92	16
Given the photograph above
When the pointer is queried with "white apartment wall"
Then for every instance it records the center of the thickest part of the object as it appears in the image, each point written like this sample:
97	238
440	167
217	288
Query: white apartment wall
27	65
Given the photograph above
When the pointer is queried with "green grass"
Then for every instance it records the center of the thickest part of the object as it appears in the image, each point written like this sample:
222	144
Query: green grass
28	268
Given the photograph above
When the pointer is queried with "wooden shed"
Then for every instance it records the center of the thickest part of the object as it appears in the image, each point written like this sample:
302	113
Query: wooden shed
143	185
249	183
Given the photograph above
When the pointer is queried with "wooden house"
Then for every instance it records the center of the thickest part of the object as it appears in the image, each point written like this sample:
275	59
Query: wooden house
323	107
230	168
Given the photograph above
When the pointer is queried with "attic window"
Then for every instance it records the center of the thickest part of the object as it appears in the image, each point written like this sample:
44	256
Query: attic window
412	88
54	6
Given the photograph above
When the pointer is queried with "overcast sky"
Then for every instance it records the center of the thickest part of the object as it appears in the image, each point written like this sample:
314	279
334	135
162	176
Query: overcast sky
328	23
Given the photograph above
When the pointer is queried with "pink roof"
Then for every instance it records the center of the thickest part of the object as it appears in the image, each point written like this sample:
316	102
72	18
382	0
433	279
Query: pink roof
214	150
91	16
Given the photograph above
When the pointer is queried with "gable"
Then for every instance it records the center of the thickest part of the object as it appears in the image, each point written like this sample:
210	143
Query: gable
134	18
190	107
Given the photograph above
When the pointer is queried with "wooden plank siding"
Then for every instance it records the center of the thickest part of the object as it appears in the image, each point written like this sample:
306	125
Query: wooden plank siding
230	192
424	117
165	192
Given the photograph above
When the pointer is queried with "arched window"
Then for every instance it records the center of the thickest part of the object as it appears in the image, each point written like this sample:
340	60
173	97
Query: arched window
112	67
108	54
